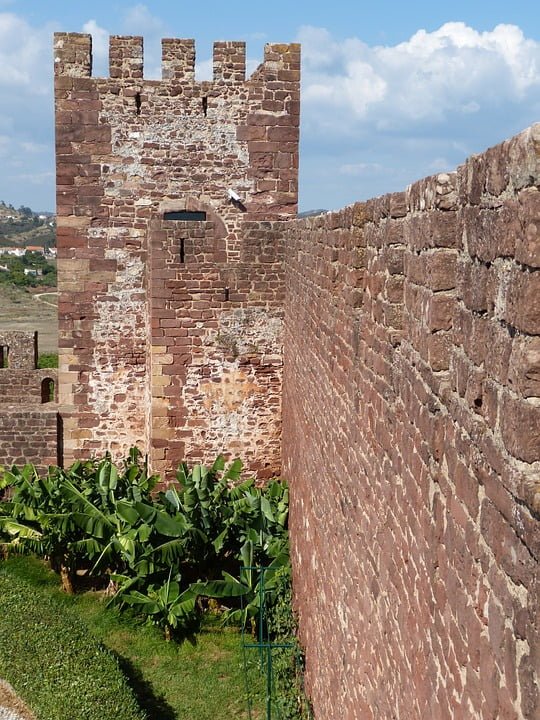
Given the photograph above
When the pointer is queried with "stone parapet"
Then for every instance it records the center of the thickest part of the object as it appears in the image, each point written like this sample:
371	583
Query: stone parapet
411	439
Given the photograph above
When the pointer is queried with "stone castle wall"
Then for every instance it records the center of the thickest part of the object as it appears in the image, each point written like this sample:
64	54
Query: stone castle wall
411	439
154	298
410	356
28	410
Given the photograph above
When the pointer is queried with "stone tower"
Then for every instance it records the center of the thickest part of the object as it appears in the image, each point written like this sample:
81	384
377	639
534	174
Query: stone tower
170	280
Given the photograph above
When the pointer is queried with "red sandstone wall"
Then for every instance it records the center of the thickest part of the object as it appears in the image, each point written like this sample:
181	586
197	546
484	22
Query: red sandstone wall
28	434
217	346
129	150
28	418
411	440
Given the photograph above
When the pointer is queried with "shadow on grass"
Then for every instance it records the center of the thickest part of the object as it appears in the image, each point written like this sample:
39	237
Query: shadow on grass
155	706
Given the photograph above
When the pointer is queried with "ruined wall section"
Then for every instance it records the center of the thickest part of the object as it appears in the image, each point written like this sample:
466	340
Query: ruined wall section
28	410
130	150
411	439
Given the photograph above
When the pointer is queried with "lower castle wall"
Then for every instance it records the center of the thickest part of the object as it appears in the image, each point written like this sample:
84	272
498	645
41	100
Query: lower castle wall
28	409
411	439
25	386
28	434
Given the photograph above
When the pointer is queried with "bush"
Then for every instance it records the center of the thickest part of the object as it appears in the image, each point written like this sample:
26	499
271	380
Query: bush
57	668
47	360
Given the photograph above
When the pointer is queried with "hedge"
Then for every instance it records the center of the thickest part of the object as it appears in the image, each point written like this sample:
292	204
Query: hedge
54	664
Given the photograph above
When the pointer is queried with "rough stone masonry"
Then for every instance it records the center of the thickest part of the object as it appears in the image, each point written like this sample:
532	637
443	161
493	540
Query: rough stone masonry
171	290
28	411
411	438
410	353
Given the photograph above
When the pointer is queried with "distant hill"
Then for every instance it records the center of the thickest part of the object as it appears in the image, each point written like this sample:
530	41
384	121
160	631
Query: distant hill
23	226
309	213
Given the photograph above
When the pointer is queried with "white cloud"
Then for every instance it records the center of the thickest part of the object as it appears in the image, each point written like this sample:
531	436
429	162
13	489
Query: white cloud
139	20
373	117
360	168
37	178
454	68
32	147
25	55
204	69
413	108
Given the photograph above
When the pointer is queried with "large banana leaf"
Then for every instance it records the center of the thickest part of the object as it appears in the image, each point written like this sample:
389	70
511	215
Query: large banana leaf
229	587
18	529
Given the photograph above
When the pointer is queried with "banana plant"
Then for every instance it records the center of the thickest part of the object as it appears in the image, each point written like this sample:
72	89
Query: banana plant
39	519
166	606
253	588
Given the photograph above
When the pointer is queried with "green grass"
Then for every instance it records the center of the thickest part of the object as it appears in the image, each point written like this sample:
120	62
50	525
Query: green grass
47	360
56	666
203	680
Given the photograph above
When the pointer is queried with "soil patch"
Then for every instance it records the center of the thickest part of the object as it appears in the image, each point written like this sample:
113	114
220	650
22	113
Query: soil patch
11	706
22	310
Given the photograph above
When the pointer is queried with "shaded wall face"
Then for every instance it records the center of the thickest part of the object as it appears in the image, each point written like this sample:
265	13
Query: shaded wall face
129	151
411	440
18	350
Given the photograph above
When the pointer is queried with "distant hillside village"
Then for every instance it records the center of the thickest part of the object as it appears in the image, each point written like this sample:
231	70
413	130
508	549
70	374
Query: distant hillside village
27	247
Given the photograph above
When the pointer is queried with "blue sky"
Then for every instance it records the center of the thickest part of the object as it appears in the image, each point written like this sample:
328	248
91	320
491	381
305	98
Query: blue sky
392	91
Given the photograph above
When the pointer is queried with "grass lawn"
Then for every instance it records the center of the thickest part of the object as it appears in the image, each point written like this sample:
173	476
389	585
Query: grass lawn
202	680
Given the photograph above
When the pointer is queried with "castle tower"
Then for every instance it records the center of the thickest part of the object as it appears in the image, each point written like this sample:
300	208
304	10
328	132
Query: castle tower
169	273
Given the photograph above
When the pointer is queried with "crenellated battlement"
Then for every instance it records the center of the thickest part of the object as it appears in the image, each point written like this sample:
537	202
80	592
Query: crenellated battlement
126	57
159	183
73	58
178	59
72	54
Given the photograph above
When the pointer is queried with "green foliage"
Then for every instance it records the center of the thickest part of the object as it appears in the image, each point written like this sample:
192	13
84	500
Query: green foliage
166	605
202	537
60	670
47	360
70	516
167	553
288	662
34	262
200	680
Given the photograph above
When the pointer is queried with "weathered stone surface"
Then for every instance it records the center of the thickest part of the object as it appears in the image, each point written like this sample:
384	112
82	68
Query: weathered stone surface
416	564
28	410
410	396
142	297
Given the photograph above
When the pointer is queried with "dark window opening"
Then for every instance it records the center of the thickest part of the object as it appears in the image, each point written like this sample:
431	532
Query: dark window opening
138	103
205	106
4	352
47	390
182	251
185	215
227	294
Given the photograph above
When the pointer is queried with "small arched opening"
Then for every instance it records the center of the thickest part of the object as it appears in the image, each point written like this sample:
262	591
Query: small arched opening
4	356
47	390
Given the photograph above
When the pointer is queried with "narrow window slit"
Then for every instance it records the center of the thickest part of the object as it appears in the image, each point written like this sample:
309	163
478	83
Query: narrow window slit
205	106
182	251
185	215
227	294
138	103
